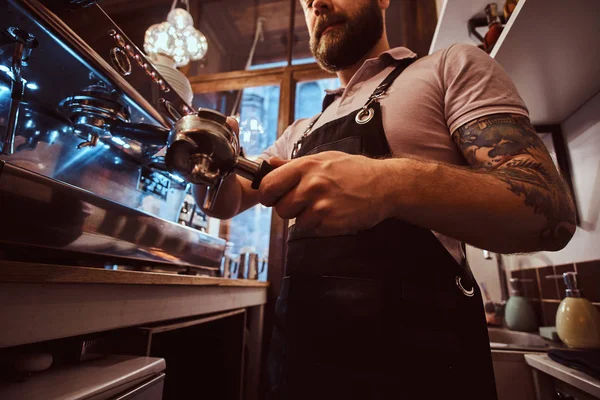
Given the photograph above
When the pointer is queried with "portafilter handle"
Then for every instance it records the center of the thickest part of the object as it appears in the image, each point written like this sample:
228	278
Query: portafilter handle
252	171
245	168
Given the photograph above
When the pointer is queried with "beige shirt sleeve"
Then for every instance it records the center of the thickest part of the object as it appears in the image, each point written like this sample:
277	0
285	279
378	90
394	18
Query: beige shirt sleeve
282	147
475	86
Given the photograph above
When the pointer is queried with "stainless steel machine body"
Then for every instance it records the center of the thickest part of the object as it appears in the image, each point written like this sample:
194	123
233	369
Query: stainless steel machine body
84	122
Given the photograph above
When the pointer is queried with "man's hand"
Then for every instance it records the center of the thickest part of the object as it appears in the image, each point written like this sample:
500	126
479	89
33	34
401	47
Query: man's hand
232	122
330	193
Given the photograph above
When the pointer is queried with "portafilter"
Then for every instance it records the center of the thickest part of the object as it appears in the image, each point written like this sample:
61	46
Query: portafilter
203	149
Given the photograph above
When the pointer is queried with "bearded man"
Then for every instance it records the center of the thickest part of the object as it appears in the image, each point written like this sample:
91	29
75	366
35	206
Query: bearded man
408	160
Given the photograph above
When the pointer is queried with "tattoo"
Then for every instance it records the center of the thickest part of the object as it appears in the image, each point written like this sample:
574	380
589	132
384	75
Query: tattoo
508	147
493	139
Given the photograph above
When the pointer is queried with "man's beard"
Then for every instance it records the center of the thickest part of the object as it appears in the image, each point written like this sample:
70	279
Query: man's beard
345	45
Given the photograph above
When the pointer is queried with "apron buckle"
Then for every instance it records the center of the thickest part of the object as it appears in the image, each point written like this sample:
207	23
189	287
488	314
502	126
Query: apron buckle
364	115
468	293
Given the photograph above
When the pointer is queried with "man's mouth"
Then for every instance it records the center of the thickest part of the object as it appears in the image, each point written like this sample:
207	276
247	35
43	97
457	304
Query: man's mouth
332	26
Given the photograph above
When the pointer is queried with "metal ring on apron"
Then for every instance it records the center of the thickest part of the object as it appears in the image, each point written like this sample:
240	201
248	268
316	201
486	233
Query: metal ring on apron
468	293
364	116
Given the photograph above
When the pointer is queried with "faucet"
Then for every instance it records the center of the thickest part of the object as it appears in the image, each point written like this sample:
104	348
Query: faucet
501	274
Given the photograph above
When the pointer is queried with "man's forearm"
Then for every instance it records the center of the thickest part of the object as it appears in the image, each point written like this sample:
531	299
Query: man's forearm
499	210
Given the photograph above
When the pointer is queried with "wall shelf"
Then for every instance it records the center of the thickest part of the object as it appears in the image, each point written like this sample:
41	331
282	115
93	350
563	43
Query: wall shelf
549	49
453	23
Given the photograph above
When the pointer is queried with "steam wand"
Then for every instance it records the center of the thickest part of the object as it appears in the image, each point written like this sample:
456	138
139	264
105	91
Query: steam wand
24	43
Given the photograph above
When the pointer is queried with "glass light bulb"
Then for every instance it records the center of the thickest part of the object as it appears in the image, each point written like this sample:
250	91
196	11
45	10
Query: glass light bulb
159	39
180	18
176	38
197	45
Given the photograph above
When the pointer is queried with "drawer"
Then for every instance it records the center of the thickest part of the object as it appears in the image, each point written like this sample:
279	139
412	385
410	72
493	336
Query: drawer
113	377
564	391
149	390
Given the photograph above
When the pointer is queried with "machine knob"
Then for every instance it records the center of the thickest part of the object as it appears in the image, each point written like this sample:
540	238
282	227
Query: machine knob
120	61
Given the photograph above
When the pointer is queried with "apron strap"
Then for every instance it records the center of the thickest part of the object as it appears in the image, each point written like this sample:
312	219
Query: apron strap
377	93
387	82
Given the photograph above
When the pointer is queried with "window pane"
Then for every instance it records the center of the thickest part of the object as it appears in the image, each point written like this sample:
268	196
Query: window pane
309	96
259	111
306	60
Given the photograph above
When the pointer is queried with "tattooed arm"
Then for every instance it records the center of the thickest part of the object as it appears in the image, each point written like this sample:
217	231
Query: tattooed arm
511	199
508	148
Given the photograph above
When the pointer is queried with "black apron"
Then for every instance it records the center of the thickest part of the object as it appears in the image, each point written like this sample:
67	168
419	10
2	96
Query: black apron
386	313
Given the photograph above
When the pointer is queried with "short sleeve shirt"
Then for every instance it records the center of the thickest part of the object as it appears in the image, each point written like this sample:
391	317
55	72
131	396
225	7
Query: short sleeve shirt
429	101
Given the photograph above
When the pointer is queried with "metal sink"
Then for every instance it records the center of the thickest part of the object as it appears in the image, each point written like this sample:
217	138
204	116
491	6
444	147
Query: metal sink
501	338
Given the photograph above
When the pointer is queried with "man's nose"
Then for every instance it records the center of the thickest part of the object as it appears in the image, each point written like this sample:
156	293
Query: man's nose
322	7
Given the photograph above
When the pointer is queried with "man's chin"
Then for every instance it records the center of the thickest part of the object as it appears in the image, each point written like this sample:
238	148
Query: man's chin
334	60
331	66
327	55
326	66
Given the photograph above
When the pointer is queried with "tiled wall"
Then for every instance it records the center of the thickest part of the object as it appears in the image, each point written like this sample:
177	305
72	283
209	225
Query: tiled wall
582	133
546	294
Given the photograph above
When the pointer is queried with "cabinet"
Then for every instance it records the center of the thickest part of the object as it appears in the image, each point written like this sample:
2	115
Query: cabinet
554	381
564	391
513	376
204	356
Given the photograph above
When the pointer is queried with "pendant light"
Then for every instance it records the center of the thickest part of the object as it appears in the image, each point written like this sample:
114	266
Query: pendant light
176	37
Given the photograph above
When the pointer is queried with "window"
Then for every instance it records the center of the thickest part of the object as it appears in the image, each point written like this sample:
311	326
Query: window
258	120
309	96
259	113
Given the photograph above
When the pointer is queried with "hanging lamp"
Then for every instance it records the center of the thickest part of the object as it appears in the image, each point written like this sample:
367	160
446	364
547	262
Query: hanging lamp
176	37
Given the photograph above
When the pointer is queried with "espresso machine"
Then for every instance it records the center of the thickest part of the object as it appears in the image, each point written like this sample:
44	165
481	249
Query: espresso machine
85	120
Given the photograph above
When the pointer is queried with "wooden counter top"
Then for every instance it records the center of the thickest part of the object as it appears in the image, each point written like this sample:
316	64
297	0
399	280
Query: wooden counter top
44	302
23	272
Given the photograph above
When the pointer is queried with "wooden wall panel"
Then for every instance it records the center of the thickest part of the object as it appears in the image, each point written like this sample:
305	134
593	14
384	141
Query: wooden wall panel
418	20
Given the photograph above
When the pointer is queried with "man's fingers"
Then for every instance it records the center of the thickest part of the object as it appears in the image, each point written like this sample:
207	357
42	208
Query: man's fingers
291	204
277	162
232	122
279	182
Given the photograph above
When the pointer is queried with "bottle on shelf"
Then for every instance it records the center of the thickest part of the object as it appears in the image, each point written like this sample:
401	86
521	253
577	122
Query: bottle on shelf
509	7
495	27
